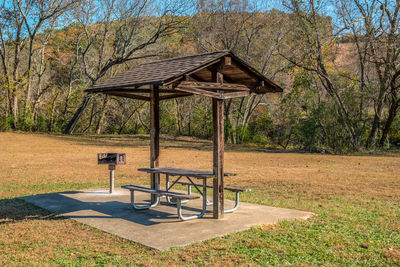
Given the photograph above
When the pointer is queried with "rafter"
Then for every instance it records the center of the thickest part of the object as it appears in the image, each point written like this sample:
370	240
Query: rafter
197	78
214	86
197	91
128	95
237	94
171	96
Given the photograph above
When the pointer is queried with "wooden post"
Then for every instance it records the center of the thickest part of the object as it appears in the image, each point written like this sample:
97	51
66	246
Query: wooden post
218	151
154	136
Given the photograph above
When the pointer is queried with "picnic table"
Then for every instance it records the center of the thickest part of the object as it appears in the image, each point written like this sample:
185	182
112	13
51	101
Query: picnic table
177	198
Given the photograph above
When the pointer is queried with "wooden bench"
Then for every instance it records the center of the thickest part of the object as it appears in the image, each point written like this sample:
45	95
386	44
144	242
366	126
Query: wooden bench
235	189
178	197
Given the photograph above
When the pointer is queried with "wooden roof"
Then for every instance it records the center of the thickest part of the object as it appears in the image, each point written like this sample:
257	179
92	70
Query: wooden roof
175	74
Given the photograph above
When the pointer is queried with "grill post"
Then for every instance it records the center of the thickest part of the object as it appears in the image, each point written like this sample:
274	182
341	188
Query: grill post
112	160
111	167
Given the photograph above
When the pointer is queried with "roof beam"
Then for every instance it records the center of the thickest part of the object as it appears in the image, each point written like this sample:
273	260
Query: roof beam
127	90
147	90
226	78
245	69
201	89
214	86
237	94
171	96
197	78
127	95
243	66
197	91
191	72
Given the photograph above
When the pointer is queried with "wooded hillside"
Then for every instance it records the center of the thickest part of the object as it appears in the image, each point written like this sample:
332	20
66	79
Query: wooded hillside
338	63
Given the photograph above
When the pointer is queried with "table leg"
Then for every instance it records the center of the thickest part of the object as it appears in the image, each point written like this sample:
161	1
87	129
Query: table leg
167	189
143	207
203	211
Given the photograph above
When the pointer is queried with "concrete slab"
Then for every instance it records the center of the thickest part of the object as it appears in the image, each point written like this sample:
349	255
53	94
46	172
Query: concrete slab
158	228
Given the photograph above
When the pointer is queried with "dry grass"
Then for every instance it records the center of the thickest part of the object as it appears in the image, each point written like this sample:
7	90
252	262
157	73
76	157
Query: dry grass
344	190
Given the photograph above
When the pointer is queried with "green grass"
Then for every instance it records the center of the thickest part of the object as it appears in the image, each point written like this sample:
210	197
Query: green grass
357	231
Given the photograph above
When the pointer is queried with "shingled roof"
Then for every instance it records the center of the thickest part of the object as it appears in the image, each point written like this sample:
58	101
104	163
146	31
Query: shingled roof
163	72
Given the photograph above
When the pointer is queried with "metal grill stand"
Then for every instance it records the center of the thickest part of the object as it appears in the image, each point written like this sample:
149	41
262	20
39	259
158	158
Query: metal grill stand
111	167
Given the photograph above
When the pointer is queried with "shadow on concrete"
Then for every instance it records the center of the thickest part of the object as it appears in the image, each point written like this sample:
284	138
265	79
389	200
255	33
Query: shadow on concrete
64	203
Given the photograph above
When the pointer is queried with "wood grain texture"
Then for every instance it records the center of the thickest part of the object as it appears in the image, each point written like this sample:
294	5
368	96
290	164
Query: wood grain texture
214	86
218	147
154	137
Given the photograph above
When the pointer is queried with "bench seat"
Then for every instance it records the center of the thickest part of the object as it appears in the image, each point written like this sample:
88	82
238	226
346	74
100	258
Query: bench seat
174	195
235	189
230	188
178	197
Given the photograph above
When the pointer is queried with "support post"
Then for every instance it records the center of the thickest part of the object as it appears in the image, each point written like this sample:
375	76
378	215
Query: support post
154	137
218	158
218	151
111	167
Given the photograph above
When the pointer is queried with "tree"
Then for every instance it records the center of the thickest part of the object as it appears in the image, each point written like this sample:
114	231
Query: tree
116	32
308	48
35	15
247	29
21	21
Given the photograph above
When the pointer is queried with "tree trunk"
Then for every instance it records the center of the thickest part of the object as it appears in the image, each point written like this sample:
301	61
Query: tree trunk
102	114
72	124
14	108
178	117
236	137
29	78
90	117
392	114
53	104
375	125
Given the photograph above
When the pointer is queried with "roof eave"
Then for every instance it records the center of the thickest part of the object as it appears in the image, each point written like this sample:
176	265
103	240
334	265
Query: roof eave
176	77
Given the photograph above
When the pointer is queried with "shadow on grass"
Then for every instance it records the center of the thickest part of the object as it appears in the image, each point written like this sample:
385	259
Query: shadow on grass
15	210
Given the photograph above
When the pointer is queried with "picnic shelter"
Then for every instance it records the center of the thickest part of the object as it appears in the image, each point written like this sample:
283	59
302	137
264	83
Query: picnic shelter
218	75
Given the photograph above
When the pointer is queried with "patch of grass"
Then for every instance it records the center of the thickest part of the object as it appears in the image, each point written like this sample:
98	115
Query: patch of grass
355	199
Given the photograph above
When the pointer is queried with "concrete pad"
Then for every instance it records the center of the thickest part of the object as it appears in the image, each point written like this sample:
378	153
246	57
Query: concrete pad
158	228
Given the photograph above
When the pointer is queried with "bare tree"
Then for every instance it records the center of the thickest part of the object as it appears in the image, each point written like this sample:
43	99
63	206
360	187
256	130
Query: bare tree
21	22
36	14
128	28
374	29
305	49
247	29
12	40
391	42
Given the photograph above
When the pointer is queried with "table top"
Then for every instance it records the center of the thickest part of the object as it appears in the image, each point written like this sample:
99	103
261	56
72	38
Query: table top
182	172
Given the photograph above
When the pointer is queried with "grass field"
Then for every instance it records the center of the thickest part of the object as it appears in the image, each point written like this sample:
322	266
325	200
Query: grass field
356	201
